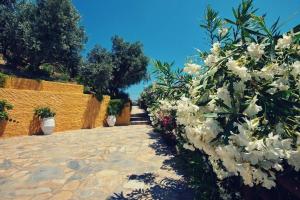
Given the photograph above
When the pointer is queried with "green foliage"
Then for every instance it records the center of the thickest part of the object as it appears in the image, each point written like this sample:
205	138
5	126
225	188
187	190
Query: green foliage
211	24
59	27
243	18
130	64
121	95
44	112
278	108
41	32
4	107
199	173
96	73
107	72
148	97
170	84
2	79
115	106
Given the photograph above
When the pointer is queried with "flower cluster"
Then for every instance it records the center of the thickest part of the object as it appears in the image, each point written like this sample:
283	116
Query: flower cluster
191	68
244	111
161	115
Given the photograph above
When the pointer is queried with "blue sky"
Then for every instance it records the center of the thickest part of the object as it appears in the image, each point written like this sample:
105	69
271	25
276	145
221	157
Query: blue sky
168	29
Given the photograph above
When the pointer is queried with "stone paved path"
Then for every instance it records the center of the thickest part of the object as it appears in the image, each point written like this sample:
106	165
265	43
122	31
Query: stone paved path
104	163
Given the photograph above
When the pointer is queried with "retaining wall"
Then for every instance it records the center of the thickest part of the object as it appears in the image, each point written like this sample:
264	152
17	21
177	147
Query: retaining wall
74	110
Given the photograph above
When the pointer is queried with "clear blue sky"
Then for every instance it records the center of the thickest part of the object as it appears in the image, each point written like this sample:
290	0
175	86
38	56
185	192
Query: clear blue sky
168	29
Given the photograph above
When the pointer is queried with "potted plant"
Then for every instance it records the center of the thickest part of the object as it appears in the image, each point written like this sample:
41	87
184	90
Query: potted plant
47	119
114	108
4	107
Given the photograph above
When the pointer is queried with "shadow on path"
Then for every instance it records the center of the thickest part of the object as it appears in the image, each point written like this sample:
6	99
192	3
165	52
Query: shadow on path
165	188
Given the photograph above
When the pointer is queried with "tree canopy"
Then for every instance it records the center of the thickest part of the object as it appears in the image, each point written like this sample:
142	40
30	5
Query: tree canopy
41	32
96	73
130	64
126	65
46	34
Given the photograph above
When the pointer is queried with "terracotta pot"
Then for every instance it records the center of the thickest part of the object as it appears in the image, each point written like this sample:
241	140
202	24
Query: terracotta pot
111	120
48	125
3	124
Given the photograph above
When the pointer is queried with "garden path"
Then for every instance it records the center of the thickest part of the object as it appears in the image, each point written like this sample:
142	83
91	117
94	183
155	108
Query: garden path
129	162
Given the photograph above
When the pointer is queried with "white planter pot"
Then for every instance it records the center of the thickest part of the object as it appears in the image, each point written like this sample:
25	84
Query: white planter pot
48	125
111	120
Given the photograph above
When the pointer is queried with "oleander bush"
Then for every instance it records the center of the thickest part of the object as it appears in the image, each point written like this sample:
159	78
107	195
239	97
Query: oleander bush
240	107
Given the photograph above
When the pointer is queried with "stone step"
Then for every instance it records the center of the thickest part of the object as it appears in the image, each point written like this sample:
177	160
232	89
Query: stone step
140	123
139	119
139	115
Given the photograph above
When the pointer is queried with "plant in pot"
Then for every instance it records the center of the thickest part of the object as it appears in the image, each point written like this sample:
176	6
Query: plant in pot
114	109
46	117
4	107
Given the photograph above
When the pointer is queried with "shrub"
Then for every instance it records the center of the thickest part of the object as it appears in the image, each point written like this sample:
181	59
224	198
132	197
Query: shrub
115	106
96	73
243	111
242	107
4	107
2	79
44	112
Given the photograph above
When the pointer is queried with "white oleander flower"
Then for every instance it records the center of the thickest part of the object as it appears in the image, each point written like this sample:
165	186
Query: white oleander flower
272	91
240	71
223	32
279	128
211	105
211	60
229	154
252	109
295	69
282	84
216	47
186	112
210	128
221	174
191	68
228	53
260	177
284	42
223	93
245	133
166	105
188	147
245	171
255	50
239	88
269	71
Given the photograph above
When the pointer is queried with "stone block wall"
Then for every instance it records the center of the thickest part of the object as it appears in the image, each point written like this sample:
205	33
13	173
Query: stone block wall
39	85
74	110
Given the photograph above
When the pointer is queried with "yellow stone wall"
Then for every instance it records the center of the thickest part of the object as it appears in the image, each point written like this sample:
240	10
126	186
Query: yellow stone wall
29	84
2	61
74	110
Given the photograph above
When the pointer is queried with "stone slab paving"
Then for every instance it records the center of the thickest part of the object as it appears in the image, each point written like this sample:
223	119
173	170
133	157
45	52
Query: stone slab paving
104	163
